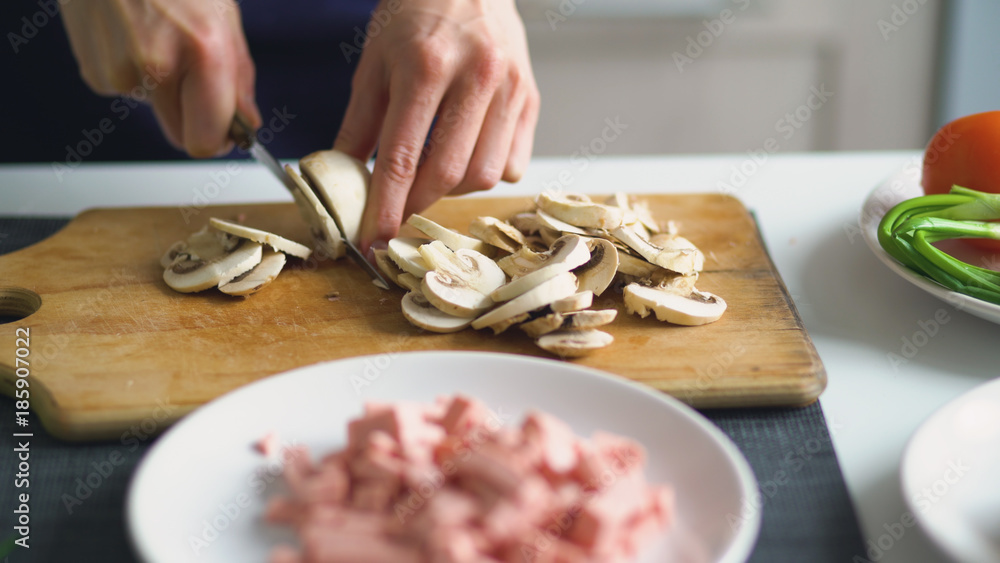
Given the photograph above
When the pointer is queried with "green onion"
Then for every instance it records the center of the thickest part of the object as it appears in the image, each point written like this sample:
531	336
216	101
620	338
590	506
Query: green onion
910	229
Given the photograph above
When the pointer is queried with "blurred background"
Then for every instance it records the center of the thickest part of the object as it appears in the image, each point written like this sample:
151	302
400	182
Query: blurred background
659	76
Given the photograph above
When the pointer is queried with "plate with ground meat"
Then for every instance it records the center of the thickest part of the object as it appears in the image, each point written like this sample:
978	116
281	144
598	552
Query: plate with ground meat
443	457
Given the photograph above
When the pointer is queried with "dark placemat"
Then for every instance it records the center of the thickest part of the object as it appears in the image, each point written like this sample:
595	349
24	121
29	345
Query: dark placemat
77	491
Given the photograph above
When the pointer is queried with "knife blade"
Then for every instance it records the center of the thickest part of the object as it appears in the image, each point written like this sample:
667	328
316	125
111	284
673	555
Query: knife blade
244	136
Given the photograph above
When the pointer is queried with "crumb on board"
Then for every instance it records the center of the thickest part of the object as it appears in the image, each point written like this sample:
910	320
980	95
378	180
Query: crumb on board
333	296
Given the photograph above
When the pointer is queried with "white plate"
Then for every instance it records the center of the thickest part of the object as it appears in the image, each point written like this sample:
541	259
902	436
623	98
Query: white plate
905	185
189	487
950	471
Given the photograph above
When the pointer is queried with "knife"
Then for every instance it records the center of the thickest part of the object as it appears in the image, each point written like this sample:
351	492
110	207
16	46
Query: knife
245	138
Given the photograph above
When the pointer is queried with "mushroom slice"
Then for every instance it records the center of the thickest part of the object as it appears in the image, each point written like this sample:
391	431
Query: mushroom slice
574	343
452	239
581	213
598	272
256	278
639	211
570	250
547	221
409	281
554	289
321	225
387	266
461	281
697	308
509	322
278	243
549	236
404	252
563	257
670	241
342	182
497	233
527	223
568	321
419	311
171	254
682	261
211	266
576	302
631	266
525	283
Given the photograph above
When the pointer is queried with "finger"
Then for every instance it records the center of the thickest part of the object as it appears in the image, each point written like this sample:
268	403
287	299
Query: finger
246	78
452	143
524	138
413	102
166	102
365	112
493	146
208	99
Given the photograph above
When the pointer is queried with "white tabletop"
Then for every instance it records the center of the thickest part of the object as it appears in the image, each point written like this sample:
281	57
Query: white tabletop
855	309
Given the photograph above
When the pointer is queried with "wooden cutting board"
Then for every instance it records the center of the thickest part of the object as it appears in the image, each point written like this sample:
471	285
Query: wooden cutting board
111	346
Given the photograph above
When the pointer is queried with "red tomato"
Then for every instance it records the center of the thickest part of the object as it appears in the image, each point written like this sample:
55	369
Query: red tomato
965	152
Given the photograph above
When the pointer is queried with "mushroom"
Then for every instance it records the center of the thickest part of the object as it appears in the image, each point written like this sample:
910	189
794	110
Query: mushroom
254	279
696	308
547	221
419	311
497	233
563	285
461	281
276	242
576	302
387	266
568	249
682	261
404	252
565	256
450	238
637	267
639	211
527	223
580	212
324	230
342	182
598	272
409	281
574	343
209	259
568	321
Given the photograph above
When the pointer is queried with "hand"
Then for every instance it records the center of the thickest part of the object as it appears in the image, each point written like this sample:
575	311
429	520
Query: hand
462	61
189	57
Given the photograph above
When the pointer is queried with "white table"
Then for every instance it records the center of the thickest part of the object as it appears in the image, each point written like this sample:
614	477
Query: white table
807	205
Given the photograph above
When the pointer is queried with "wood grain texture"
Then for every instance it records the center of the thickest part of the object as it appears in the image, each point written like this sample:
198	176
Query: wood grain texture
112	346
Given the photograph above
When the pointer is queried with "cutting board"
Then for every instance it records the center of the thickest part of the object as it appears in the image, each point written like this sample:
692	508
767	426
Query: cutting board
113	350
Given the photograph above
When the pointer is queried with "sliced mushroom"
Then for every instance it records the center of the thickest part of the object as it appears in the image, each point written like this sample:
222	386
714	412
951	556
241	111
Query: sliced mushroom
547	221
527	223
574	343
563	258
568	321
452	239
581	213
256	278
461	281
321	225
598	272
697	308
210	266
409	281
682	261
497	233
549	236
569	249
669	241
419	311
576	302
554	289
278	243
639	211
342	182
387	266
509	322
405	252
637	267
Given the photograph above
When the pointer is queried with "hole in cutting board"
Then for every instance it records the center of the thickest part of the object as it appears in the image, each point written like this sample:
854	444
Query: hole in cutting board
17	303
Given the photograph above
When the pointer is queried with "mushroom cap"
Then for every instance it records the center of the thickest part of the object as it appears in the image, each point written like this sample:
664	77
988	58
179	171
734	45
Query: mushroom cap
256	278
420	312
576	302
190	274
497	233
682	261
695	309
342	182
598	272
563	285
574	343
404	252
452	239
324	230
569	249
387	266
279	243
453	295
546	220
580	211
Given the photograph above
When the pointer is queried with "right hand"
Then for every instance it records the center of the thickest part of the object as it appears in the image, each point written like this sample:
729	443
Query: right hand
188	57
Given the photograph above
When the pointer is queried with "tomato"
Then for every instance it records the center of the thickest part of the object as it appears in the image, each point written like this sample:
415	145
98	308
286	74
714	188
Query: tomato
965	152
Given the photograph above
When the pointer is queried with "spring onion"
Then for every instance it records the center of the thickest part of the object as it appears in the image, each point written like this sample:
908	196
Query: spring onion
910	229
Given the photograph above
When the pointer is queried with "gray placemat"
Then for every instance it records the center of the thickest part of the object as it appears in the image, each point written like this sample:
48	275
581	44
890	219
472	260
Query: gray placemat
77	491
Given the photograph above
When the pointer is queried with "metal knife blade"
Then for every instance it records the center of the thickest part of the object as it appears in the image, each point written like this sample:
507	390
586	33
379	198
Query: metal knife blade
245	138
